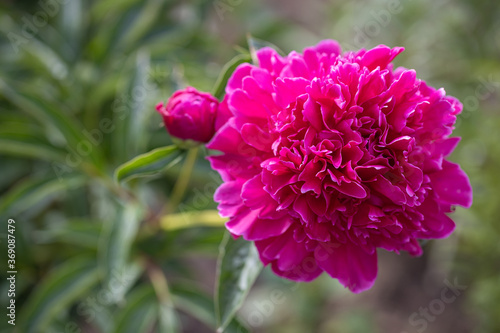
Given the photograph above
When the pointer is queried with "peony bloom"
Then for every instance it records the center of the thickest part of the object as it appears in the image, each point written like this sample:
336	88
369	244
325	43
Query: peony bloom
190	114
327	156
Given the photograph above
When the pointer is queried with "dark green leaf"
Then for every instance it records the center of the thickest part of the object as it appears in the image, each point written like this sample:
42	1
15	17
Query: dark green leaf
71	22
140	313
235	326
194	302
115	248
134	140
23	147
53	118
201	306
84	233
101	9
142	23
33	192
23	139
45	113
238	267
62	287
167	318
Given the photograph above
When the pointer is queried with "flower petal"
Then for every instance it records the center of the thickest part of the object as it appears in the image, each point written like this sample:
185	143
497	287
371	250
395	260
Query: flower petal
354	268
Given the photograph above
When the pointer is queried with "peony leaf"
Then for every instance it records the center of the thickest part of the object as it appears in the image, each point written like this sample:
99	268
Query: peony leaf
77	232
238	267
135	138
193	301
137	22
116	244
167	318
140	313
227	71
199	305
35	193
24	144
148	164
53	117
72	22
62	287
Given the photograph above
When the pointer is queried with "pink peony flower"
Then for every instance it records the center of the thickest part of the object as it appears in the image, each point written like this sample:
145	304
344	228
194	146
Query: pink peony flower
190	114
329	156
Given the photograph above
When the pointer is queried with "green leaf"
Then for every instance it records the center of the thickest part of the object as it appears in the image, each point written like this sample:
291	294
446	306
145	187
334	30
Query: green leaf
140	313
143	312
142	23
78	232
134	140
238	267
101	9
72	21
227	71
167	319
116	246
44	112
134	21
235	326
51	116
22	139
47	58
33	192
196	303
57	292
148	164
23	147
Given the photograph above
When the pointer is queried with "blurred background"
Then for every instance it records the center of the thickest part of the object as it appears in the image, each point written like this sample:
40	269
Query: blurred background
78	84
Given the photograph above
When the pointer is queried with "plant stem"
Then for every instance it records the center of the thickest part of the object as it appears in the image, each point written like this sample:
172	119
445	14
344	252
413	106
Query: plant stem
168	320
158	281
183	181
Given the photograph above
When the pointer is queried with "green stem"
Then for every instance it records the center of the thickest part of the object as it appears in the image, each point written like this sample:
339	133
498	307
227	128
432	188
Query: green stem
183	181
158	281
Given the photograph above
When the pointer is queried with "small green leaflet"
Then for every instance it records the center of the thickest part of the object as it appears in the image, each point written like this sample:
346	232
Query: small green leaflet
148	164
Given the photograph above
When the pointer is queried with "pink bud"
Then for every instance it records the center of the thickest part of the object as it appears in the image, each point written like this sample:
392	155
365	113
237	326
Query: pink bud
190	114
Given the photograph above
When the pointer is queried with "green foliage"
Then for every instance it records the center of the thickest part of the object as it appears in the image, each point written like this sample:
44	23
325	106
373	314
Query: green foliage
77	132
238	267
65	284
140	313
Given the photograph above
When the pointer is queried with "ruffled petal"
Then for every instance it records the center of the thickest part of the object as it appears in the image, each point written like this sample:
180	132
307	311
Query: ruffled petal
452	185
353	267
